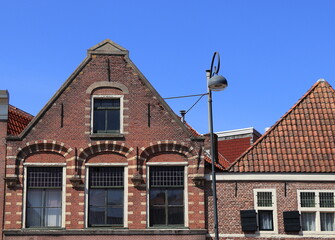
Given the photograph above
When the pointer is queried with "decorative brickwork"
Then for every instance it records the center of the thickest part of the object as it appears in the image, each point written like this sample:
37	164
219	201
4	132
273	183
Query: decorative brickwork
61	136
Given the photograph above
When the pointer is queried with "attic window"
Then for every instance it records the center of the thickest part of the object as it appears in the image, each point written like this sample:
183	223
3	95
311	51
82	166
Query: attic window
107	115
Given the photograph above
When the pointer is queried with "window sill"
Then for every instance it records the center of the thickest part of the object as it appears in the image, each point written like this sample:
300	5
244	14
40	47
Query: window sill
107	136
168	228
32	229
94	231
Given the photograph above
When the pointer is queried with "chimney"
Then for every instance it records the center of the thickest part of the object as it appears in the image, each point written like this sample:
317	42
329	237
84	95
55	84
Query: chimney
182	113
4	101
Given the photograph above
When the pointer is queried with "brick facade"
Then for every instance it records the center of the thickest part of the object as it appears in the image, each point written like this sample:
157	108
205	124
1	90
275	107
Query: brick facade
61	135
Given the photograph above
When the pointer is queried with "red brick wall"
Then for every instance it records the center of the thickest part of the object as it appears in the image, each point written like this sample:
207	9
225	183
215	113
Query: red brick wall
72	141
3	134
233	148
232	199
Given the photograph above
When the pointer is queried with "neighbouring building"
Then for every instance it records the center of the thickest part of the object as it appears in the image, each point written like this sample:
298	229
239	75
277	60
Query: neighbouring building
284	185
231	144
106	158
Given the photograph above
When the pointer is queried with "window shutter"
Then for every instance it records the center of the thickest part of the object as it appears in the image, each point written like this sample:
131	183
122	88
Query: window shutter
248	220
292	221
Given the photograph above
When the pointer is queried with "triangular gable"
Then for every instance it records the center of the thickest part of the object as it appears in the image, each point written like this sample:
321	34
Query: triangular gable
106	47
303	140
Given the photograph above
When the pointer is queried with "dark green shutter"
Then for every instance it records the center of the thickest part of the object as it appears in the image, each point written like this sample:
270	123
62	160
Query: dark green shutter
248	220
292	221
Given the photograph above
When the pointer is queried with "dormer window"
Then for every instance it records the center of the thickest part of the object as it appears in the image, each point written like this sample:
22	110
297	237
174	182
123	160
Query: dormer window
107	117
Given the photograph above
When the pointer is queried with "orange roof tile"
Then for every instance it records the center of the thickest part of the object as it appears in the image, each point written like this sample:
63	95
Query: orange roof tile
303	140
219	166
17	120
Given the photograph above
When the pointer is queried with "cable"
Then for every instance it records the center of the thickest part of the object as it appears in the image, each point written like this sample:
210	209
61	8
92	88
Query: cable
187	96
196	102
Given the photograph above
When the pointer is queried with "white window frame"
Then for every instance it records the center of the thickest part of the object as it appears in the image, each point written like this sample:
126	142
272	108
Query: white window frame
25	193
125	189
273	209
107	97
317	210
169	164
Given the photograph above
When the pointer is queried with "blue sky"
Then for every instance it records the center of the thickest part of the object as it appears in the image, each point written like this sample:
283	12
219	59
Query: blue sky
272	52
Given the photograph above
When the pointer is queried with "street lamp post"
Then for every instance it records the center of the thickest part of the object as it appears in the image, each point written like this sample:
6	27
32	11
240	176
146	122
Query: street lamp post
215	82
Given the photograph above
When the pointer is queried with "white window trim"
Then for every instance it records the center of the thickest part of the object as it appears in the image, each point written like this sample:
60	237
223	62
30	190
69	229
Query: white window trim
167	164
317	209
273	208
107	97
25	165
106	164
125	189
162	164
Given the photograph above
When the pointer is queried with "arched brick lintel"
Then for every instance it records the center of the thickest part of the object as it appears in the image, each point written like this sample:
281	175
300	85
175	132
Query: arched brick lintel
93	149
118	85
44	146
173	147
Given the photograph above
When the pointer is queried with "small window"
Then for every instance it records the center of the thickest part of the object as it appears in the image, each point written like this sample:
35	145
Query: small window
264	205
317	210
105	196
166	199
44	197
106	115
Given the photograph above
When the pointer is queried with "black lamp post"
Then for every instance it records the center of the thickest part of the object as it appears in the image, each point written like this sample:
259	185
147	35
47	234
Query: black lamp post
215	82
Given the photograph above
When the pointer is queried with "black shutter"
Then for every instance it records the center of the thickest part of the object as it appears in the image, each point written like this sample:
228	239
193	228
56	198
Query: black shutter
248	220
292	221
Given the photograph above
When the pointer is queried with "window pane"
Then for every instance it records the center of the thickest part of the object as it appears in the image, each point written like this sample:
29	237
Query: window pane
167	176
157	216
101	103
307	199
327	221
34	198
43	177
308	221
97	197
265	220
175	196
326	199
53	198
96	216
157	197
115	216
115	197
34	217
53	217
113	120
99	121
176	215
97	103
264	199
106	177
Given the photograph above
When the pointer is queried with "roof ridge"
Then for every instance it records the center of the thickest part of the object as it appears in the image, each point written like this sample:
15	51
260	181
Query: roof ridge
21	111
320	81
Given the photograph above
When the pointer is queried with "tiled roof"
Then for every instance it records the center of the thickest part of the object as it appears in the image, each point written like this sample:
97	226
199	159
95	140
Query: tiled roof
193	131
17	120
303	140
219	166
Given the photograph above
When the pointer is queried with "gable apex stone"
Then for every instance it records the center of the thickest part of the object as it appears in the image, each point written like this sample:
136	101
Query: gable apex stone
107	47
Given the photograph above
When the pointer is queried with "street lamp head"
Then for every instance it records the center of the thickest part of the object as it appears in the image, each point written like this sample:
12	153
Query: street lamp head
217	83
